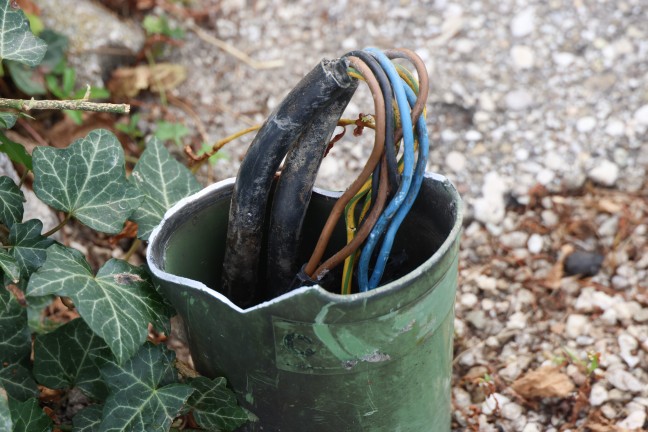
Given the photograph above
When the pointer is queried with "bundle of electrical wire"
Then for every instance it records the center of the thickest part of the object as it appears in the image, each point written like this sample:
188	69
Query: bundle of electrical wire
300	129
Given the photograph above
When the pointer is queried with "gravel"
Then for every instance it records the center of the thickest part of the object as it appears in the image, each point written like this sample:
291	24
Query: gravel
538	113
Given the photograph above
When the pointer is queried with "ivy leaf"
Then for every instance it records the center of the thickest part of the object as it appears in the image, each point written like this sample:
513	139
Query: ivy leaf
117	303
7	120
28	416
15	151
87	180
8	266
18	382
143	395
71	356
15	338
5	415
28	80
11	202
163	181
15	348
214	405
88	419
29	246
16	40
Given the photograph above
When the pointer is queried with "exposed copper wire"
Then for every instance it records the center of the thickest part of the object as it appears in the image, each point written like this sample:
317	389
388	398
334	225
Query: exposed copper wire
374	158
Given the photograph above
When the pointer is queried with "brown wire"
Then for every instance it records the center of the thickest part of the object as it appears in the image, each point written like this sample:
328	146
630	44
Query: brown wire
421	71
364	230
374	158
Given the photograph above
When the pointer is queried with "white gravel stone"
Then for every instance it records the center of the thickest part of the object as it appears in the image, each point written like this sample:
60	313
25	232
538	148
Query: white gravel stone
523	23
512	411
586	124
486	283
523	56
627	344
493	401
577	325
455	161
634	421
532	427
473	135
515	239
599	394
604	173
518	100
563	59
615	128
535	243
624	380
469	300
641	115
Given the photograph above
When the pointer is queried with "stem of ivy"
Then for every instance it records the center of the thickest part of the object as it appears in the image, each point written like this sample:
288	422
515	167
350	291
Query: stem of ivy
77	105
59	226
132	249
22	178
131	159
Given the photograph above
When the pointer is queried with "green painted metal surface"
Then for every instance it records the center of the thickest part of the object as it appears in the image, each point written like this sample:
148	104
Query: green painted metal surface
312	360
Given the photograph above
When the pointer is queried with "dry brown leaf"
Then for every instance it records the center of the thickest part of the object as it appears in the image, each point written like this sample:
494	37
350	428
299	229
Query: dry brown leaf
609	206
547	381
128	82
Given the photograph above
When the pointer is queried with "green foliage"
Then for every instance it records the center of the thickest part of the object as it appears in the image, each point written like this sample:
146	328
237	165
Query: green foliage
28	416
117	303
5	415
71	356
160	25
88	419
87	180
103	353
7	120
11	202
28	247
163	181
169	131
16	40
214	405
15	151
144	395
131	128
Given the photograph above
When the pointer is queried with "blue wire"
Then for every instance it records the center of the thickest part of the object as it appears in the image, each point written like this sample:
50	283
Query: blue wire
424	145
408	168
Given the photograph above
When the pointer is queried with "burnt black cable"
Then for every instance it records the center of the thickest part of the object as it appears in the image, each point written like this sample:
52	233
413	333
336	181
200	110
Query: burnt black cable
293	193
250	195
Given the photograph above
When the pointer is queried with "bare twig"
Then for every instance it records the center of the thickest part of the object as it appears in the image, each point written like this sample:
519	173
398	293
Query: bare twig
233	51
77	105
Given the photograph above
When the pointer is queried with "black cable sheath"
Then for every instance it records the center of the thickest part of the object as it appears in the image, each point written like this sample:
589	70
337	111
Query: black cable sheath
250	195
293	193
390	148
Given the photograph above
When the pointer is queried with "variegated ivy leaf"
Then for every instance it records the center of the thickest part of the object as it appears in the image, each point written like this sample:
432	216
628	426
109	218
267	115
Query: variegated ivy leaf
28	416
143	393
15	338
11	202
214	405
15	348
117	303
163	181
8	266
87	180
88	419
28	246
18	382
71	356
16	39
7	120
5	415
